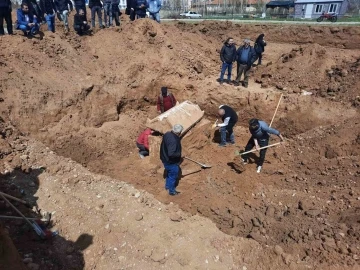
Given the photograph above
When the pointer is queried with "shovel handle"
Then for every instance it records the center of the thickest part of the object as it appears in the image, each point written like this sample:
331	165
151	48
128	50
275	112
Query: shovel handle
271	145
16	210
194	161
13	198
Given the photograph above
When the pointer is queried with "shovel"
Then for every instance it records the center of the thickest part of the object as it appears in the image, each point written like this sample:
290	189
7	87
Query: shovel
204	166
237	153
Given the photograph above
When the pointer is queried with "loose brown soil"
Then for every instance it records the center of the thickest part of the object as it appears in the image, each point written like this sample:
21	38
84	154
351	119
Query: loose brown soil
72	107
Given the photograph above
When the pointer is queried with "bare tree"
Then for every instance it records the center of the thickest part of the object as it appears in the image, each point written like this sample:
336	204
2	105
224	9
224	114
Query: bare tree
354	6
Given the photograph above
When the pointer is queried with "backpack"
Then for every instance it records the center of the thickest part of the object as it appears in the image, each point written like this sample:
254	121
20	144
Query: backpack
162	101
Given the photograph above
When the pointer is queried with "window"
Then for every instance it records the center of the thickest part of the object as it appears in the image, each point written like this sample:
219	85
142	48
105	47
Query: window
332	8
318	8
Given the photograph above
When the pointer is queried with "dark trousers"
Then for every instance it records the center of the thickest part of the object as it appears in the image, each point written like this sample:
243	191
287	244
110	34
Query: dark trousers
251	144
96	10
227	129
259	58
116	14
243	68
5	14
81	29
78	7
142	150
132	15
108	14
226	66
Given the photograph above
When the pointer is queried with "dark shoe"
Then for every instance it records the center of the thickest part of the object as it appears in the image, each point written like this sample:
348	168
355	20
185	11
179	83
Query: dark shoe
232	142
245	85
229	82
102	27
174	193
222	144
236	83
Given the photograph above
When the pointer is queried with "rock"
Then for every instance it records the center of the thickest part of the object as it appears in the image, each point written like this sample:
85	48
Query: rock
300	205
294	235
278	250
158	256
175	217
139	217
256	222
270	211
264	85
257	237
329	243
287	258
152	33
147	252
344	73
198	67
137	194
27	260
33	266
312	212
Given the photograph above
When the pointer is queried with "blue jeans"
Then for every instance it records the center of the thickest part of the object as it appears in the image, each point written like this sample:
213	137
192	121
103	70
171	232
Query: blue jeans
155	16
50	19
171	177
226	66
108	14
229	129
33	30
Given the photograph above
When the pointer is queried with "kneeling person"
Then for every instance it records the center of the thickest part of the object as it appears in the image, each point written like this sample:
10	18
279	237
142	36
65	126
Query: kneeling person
142	142
259	138
80	24
170	155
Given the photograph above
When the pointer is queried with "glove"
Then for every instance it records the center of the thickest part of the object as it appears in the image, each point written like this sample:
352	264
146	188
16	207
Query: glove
214	126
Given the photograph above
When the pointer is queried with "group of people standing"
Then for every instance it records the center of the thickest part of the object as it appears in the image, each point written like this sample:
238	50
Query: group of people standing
32	13
245	56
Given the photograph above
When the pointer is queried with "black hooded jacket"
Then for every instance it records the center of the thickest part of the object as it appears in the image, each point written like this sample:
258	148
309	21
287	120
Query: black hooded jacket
260	44
228	53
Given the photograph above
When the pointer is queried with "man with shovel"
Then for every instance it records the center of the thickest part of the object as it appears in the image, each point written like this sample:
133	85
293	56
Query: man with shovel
259	138
170	155
229	118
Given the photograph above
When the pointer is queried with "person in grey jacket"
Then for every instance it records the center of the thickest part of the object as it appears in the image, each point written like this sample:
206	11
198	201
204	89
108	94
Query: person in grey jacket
227	56
154	6
259	138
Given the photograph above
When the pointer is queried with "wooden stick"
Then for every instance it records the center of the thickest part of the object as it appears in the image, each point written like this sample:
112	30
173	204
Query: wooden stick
13	198
277	107
13	217
16	210
271	145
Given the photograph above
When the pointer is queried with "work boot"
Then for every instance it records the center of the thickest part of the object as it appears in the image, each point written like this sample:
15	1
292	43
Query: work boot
258	169
222	144
141	156
174	193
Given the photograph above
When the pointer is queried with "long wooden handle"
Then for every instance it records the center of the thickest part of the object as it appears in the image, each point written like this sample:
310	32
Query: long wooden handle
13	198
194	161
271	145
13	207
277	107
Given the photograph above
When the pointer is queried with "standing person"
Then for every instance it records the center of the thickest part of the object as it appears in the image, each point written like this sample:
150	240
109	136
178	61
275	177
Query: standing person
26	21
80	24
154	6
62	8
5	14
48	8
142	142
166	100
259	47
130	9
116	11
227	56
80	4
107	13
259	138
229	118
170	155
246	57
95	7
140	10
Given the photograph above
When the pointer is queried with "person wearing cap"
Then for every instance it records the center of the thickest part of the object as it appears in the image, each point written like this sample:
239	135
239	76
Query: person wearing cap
259	138
227	56
142	142
166	100
229	118
170	155
245	57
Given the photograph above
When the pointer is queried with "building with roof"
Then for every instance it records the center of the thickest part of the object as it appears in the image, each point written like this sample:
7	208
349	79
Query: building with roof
310	9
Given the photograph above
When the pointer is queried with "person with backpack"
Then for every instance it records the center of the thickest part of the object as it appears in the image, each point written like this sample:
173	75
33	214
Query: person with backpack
227	56
259	47
5	14
95	7
48	7
259	138
166	100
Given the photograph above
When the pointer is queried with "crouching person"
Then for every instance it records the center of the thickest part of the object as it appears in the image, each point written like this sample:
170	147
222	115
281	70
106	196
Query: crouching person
26	21
142	142
80	24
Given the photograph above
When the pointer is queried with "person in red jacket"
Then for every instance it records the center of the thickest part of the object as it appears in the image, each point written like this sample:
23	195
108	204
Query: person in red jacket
166	100
142	142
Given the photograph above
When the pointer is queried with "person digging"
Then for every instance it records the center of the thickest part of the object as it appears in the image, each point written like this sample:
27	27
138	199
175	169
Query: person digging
142	142
259	138
170	155
229	118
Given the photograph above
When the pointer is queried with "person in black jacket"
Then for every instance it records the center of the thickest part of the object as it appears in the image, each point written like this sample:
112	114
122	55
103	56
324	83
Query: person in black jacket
259	47
96	6
229	118
80	24
115	11
227	56
62	8
35	9
80	4
170	155
48	8
246	56
5	14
